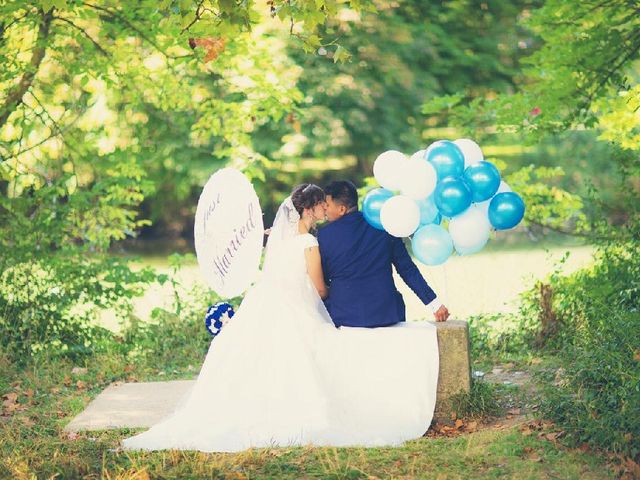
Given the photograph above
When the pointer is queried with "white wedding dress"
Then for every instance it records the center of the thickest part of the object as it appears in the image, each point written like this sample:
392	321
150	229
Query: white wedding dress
280	374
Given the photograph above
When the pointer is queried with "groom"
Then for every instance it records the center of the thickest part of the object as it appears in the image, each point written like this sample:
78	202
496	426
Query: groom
357	260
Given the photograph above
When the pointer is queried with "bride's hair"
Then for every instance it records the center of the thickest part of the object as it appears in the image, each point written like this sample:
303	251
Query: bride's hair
306	195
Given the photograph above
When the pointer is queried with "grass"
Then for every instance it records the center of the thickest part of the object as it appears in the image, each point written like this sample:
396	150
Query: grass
42	397
33	444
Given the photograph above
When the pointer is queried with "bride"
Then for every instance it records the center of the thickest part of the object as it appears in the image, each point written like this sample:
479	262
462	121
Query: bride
281	374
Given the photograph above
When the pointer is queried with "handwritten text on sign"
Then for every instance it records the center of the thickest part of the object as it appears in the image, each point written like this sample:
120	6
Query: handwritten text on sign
228	232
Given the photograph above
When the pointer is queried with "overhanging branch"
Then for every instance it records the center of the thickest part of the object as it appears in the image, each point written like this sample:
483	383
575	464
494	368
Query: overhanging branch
14	98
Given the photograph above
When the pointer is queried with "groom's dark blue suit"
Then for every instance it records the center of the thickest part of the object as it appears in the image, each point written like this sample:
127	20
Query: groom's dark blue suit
357	260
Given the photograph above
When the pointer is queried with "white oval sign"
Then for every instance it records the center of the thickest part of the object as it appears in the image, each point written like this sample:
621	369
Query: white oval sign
228	232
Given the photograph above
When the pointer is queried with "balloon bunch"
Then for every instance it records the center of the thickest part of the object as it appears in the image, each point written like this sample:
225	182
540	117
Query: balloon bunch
447	180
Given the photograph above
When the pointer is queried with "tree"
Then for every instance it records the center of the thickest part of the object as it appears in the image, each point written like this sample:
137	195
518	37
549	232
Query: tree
97	99
402	56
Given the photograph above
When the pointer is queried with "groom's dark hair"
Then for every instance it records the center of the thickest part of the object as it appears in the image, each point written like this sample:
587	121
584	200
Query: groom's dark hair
343	192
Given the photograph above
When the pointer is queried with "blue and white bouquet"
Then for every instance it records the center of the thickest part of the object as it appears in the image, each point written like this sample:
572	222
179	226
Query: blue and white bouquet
217	316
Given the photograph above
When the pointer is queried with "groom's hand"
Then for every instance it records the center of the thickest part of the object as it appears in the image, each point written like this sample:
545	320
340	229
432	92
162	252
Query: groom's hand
441	314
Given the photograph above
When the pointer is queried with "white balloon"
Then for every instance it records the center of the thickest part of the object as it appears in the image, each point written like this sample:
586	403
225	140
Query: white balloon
484	207
504	187
419	154
471	151
389	169
400	216
470	230
419	178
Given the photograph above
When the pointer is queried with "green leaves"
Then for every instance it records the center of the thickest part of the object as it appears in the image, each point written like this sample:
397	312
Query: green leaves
47	5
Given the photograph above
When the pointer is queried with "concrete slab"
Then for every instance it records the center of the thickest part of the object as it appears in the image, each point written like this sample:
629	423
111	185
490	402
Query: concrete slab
131	405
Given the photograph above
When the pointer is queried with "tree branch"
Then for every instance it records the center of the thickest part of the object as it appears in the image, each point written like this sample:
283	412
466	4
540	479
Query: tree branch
197	17
84	32
14	98
117	16
571	233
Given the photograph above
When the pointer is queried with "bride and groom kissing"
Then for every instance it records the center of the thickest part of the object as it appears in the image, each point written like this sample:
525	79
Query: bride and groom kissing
282	374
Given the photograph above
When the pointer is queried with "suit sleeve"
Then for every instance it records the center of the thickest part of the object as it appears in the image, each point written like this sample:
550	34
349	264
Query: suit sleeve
323	257
409	272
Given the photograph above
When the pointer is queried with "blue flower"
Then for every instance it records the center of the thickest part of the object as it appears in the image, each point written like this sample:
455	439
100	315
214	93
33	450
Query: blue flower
213	320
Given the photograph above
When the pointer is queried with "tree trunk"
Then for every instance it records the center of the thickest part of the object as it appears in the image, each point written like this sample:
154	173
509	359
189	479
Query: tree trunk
14	98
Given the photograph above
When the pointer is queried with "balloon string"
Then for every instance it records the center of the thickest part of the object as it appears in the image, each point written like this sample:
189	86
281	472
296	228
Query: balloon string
446	284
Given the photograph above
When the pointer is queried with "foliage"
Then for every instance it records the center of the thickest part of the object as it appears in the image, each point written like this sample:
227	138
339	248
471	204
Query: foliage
496	336
101	103
56	275
176	336
582	77
406	53
480	401
596	396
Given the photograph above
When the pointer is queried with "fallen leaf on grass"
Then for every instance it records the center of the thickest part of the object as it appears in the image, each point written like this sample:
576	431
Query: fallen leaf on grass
10	403
27	422
514	411
553	436
472	426
532	454
632	467
80	385
459	424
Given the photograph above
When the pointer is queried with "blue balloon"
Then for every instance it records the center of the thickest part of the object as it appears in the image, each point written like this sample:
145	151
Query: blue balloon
432	244
483	179
447	159
438	219
506	210
452	196
428	210
372	204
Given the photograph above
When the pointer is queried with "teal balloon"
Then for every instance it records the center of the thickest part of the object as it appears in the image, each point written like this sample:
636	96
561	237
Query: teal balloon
428	210
432	244
447	159
506	210
483	179
452	196
372	204
438	219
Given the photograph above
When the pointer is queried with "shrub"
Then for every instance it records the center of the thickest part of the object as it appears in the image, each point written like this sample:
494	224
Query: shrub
55	270
596	396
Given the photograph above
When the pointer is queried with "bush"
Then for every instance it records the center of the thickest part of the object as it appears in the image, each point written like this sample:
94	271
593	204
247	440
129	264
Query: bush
55	269
479	402
596	396
175	337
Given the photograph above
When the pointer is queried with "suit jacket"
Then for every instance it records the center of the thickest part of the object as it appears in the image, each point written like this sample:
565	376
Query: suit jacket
357	260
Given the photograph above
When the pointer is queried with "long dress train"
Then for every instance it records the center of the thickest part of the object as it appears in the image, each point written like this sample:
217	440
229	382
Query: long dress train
280	374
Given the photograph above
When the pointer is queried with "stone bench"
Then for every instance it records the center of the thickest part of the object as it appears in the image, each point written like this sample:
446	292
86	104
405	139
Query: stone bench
455	365
135	405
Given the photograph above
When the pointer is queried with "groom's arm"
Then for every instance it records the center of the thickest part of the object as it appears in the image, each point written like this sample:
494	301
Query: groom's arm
409	272
322	245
